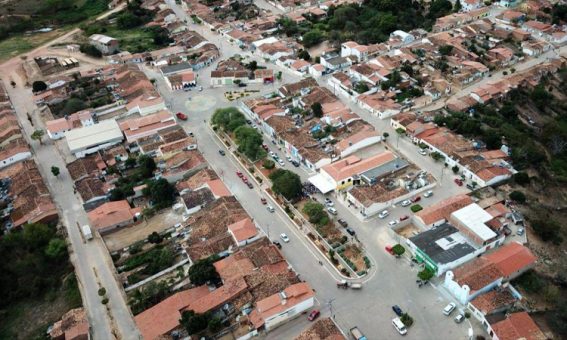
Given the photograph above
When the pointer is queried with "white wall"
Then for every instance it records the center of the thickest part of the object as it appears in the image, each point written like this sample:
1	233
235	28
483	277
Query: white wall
288	314
360	145
15	159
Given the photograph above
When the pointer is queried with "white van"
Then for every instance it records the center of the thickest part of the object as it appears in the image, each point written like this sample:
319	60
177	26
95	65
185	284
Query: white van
399	326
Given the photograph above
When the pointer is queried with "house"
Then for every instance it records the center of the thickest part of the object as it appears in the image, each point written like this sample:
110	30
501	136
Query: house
469	5
322	329
471	221
182	67
440	212
93	191
503	56
378	105
195	200
136	128
112	216
514	326
14	151
352	170
334	62
537	29
181	165
472	279
104	43
282	307
244	231
182	80
316	70
512	260
404	37
90	139
300	66
56	128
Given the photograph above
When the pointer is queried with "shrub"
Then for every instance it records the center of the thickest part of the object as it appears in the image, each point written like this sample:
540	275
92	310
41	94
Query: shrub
406	319
518	196
398	249
39	86
415	208
521	178
530	281
90	50
547	230
467	315
425	274
101	291
104	301
455	169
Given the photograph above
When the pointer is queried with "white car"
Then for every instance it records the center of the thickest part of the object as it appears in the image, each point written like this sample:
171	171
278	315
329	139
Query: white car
280	162
270	208
284	237
329	203
271	153
332	210
449	309
429	193
422	152
406	203
384	214
289	159
393	223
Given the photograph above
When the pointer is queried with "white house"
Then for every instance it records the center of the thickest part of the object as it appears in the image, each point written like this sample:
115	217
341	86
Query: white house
244	232
469	5
56	128
405	37
90	139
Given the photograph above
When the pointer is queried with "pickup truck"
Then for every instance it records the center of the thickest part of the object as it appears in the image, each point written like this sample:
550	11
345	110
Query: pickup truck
357	334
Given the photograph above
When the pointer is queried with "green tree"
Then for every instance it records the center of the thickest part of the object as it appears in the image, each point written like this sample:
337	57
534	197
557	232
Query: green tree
303	54
214	325
130	162
268	164
361	87
316	213
155	238
55	171
455	169
193	322
160	192
398	250
286	183
38	86
317	109
457	7
147	166
90	50
518	196
426	274
203	271
162	259
229	119
312	38
385	135
72	105
249	142
56	249
38	135
521	178
446	49
548	230
406	319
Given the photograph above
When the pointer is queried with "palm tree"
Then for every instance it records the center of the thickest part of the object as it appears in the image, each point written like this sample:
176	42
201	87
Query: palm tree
38	135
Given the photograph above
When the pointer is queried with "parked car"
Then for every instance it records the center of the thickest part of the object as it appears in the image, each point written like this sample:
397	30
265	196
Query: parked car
459	182
429	193
449	309
313	315
520	231
459	318
332	210
392	223
280	162
249	185
350	231
271	153
406	203
295	163
397	310
239	174
270	208
181	115
384	214
263	200
288	158
399	326
389	249
222	152
403	218
329	203
342	222
416	199
284	237
242	85
265	147
422	152
277	244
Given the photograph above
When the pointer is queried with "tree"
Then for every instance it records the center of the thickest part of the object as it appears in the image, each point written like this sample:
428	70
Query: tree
147	166
249	142
229	119
303	54
361	87
56	249
445	49
203	271
518	196
73	105
155	238
398	250
400	131
214	325
55	171
521	178
437	156
317	109
415	208
130	162
455	169
90	50
316	213
286	183
268	164
406	319
457	7
547	230
253	65
385	135
128	20
193	322
425	275
38	135
160	192
38	86
312	38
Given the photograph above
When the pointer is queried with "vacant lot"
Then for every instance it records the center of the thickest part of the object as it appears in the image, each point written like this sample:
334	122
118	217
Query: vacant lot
22	43
127	236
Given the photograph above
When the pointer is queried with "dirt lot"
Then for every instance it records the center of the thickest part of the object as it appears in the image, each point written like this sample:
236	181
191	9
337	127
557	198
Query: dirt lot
127	236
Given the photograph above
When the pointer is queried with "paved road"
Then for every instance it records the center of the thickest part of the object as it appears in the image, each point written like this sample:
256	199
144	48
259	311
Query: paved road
91	260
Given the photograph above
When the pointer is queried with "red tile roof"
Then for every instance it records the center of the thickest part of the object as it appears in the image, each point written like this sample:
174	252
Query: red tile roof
112	213
243	229
518	326
353	165
511	258
443	209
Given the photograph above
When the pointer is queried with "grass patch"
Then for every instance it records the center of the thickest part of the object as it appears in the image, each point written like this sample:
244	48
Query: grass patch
133	40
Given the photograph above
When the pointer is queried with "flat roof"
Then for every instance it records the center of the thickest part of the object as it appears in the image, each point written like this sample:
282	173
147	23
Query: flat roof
322	183
105	131
443	244
385	169
474	218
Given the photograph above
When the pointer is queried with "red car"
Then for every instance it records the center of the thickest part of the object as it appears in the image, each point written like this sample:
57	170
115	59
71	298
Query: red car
239	174
389	250
244	179
313	315
181	115
403	218
265	147
459	182
416	199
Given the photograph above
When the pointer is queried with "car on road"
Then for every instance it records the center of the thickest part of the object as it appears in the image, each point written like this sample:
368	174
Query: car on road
239	174
342	222
459	318
277	244
181	115
403	218
313	315
459	182
242	85
392	223
332	210
265	147
350	231
191	134
449	309
329	203
244	179
187	89
416	199
280	162
249	185
397	310
520	231
284	237
399	326
263	200
422	152
406	203
295	163
222	152
384	214
271	154
270	208
428	194
389	249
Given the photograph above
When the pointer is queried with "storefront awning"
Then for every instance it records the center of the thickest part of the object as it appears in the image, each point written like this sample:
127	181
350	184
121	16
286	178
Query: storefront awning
322	183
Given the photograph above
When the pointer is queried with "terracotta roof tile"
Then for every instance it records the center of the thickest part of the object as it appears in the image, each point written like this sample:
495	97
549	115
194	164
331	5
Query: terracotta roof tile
511	258
518	326
443	209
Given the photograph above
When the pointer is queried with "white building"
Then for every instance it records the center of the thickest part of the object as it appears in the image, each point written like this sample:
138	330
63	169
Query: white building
90	139
104	43
405	37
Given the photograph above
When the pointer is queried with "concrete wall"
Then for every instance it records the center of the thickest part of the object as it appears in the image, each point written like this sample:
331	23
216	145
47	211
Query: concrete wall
15	159
288	314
